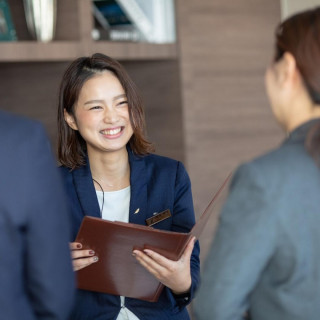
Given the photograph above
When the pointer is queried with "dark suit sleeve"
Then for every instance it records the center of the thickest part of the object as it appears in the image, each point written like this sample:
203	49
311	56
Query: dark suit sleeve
48	270
183	221
245	240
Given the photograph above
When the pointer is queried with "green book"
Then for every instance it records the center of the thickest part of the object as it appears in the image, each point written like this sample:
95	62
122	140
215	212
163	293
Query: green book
7	30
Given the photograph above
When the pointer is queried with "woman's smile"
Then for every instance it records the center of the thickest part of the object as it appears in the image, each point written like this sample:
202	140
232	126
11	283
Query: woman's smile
112	133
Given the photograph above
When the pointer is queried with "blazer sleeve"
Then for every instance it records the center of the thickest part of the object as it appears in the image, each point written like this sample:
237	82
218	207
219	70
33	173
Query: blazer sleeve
245	240
48	269
183	221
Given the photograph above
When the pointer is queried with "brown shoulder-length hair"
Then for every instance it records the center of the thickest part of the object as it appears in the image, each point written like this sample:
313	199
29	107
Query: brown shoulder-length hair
300	35
71	146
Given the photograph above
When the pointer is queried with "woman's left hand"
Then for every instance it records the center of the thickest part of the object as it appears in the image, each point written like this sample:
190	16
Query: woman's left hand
176	275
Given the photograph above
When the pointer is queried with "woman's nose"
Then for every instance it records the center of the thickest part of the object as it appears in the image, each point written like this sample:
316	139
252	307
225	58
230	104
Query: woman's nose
110	115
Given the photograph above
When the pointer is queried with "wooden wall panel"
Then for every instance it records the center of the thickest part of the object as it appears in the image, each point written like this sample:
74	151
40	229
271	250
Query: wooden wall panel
31	89
159	83
225	47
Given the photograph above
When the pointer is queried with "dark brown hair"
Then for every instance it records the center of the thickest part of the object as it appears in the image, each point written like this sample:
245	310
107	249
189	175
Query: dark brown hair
300	35
71	146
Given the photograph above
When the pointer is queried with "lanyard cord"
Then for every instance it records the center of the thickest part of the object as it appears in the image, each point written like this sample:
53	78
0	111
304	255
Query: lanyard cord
102	195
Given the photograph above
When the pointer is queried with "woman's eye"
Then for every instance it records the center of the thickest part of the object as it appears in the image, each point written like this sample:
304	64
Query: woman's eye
122	103
95	108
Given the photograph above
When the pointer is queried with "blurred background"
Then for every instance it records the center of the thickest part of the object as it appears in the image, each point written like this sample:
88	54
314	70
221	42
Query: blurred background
203	85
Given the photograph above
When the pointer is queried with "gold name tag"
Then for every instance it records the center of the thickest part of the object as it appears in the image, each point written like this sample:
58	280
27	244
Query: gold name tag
158	217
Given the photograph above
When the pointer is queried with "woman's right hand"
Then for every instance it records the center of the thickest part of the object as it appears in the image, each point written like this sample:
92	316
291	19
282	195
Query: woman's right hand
81	258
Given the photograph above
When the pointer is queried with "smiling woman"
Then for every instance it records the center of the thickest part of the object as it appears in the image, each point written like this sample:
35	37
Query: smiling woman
77	84
110	172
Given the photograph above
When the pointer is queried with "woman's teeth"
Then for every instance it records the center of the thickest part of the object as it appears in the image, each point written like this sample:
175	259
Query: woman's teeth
111	132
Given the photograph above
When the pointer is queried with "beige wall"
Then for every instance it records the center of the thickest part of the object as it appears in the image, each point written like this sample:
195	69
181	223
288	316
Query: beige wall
290	7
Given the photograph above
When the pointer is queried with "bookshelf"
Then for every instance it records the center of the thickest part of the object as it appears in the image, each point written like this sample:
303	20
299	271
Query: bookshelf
31	72
24	51
73	38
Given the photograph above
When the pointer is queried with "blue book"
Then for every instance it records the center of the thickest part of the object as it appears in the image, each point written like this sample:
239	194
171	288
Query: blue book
115	23
111	12
7	29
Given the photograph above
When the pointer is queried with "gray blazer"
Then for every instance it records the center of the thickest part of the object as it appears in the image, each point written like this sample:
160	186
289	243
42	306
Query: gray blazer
266	254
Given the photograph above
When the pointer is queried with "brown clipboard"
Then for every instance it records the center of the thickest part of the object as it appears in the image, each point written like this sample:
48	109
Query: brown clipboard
117	272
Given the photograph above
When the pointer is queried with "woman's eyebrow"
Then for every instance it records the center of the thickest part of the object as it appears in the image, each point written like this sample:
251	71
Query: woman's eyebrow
122	95
93	101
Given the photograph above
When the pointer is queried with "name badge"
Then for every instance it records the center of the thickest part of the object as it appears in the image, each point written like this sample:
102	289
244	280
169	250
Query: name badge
158	217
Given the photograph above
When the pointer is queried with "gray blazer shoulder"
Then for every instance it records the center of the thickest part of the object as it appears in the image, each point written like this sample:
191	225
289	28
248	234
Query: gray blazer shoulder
266	251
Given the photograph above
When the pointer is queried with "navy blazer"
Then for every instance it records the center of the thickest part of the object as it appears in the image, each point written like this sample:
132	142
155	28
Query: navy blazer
266	253
157	183
36	277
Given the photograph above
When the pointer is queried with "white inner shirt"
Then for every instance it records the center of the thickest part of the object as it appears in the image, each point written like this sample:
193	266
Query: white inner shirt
116	208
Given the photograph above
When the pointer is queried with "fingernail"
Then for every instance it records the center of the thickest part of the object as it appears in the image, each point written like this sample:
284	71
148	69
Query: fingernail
79	246
91	252
95	259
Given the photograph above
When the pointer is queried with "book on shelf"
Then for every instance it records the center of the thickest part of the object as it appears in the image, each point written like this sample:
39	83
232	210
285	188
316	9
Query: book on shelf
161	14
117	272
135	20
138	17
7	29
111	23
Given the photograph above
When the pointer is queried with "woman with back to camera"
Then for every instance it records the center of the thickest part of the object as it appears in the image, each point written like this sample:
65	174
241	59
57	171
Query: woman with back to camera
109	172
265	257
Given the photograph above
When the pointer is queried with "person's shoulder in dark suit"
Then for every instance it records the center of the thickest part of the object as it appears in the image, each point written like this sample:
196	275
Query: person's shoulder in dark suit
36	275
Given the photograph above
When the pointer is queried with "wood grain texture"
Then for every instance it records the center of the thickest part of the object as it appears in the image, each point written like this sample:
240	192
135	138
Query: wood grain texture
225	47
159	84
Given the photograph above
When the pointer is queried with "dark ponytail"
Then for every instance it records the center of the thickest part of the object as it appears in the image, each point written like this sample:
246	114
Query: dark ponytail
300	35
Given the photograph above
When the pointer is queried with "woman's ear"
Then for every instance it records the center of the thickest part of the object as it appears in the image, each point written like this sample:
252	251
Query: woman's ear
70	120
288	71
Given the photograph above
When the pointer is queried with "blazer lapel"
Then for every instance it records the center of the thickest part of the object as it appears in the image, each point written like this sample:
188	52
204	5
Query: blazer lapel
86	192
138	184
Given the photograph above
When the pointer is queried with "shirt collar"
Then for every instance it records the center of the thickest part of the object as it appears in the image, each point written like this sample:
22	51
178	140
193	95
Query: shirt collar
299	134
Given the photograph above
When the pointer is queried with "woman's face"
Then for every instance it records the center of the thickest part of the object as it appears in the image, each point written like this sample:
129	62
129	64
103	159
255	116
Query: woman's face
102	114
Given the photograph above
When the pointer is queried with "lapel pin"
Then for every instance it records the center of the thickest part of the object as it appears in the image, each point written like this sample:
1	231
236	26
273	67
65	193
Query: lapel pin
137	211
